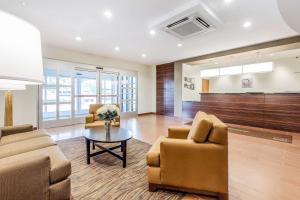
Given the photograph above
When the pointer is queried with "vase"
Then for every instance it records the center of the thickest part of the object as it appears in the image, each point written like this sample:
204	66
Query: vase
107	126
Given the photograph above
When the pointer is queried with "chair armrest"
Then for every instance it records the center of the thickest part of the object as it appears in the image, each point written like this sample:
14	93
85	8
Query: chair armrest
185	163
25	179
89	119
16	129
117	121
179	132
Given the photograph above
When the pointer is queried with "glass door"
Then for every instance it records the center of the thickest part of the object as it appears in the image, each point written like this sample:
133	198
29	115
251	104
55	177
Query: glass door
65	95
109	88
85	91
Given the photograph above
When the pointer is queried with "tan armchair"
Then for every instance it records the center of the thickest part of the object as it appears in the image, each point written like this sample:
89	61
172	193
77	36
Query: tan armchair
178	162
92	120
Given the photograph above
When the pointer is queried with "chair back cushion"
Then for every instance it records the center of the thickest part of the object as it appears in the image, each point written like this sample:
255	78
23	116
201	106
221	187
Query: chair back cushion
219	131
201	127
94	107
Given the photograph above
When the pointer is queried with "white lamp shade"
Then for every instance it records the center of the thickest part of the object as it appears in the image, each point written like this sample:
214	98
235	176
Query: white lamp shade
289	10
7	86
20	52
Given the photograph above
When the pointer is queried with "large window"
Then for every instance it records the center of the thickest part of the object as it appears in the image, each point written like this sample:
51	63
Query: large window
128	93
49	97
67	93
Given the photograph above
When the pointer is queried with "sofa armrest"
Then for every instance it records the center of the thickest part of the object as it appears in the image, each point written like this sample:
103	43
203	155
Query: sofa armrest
179	132
25	179
185	163
16	129
89	119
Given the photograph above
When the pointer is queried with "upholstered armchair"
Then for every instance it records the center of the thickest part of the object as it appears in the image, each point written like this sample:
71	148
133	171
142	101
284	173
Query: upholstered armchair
192	158
92	120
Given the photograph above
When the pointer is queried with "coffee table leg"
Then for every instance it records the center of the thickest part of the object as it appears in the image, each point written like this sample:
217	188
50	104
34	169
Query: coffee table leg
87	151
93	145
124	149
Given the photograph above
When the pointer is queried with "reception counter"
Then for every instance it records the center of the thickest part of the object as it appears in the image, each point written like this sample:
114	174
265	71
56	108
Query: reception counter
280	111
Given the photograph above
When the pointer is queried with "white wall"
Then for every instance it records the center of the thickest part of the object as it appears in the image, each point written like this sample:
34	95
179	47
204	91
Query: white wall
26	104
282	79
177	89
191	72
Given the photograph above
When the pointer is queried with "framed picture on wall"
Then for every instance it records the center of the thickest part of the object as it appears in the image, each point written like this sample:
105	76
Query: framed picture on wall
247	83
189	83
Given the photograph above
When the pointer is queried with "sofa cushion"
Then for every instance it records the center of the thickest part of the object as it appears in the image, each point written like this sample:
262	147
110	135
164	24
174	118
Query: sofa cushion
219	131
15	129
25	146
153	155
22	136
60	167
200	127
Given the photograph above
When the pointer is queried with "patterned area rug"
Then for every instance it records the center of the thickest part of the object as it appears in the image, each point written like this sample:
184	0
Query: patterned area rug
105	177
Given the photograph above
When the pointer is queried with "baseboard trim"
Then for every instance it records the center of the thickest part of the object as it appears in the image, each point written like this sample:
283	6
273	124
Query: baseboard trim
148	113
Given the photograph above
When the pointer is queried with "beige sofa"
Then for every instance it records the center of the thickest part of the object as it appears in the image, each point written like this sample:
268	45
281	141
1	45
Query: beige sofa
93	121
32	166
192	158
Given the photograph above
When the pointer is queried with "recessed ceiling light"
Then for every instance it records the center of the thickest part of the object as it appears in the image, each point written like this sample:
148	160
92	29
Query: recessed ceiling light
78	38
23	3
247	24
117	48
152	32
107	14
179	45
144	55
228	1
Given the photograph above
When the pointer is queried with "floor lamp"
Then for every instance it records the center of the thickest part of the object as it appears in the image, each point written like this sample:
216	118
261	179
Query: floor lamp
20	60
8	99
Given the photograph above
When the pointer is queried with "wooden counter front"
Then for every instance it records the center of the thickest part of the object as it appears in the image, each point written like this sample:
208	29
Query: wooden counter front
274	111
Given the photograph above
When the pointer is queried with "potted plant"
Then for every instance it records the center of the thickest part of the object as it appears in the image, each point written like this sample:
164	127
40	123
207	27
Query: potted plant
108	113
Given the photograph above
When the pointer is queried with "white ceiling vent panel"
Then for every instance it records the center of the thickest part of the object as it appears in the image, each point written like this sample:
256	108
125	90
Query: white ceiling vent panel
188	26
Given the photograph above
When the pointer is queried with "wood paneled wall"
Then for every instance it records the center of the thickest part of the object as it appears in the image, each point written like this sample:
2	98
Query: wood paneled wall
274	111
165	89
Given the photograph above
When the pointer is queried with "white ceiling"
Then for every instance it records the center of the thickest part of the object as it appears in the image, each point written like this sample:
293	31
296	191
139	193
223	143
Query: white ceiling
60	21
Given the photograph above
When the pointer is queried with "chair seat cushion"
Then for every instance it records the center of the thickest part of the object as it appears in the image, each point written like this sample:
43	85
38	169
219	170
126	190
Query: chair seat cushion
25	146
100	123
22	136
60	167
153	155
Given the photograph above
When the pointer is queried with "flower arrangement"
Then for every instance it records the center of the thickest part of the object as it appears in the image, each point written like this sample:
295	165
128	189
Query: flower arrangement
108	112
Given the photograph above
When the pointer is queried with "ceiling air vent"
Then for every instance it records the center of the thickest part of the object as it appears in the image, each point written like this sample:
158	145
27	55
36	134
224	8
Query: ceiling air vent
188	26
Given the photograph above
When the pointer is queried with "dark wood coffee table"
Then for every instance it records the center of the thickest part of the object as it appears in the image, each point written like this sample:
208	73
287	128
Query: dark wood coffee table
99	135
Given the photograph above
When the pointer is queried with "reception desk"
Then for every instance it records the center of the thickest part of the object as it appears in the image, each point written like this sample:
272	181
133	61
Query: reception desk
280	111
